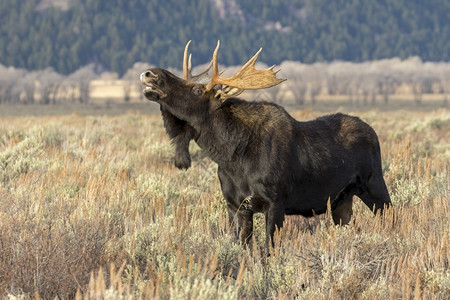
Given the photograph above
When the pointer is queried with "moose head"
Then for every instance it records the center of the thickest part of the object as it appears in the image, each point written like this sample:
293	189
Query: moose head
190	95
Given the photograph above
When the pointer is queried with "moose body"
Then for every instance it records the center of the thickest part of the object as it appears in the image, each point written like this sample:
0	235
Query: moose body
268	162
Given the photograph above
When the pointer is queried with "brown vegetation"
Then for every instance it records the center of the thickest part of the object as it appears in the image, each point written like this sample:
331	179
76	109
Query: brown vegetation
92	206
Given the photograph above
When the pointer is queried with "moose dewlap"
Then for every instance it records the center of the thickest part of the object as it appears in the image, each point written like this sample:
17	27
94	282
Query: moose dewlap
268	162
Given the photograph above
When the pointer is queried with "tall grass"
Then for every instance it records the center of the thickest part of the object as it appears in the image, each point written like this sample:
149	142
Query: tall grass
92	207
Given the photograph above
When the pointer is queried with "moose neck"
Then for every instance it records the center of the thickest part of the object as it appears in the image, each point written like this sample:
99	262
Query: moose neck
228	129
194	115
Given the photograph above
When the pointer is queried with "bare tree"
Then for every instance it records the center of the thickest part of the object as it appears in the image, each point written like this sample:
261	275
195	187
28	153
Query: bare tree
387	74
386	86
78	83
314	90
49	85
332	83
9	88
316	75
443	74
298	87
29	86
368	87
335	78
349	85
437	79
419	77
297	75
415	81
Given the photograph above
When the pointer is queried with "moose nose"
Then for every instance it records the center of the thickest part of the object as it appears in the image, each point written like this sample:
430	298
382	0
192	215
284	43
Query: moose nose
147	75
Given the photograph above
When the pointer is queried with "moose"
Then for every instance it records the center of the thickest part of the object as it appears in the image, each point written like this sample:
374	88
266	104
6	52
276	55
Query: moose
268	162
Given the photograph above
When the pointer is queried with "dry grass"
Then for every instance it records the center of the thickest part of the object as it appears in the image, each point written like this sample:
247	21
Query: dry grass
92	207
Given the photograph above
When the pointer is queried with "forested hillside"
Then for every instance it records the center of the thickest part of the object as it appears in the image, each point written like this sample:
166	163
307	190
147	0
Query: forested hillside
68	34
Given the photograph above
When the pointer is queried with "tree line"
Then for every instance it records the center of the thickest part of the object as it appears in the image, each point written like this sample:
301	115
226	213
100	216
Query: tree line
362	83
113	35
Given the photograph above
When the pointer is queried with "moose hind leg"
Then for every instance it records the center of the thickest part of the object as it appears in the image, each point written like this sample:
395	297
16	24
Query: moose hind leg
343	213
245	227
374	194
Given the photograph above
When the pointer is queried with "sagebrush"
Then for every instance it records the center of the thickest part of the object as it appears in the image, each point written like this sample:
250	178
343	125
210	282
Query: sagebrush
92	207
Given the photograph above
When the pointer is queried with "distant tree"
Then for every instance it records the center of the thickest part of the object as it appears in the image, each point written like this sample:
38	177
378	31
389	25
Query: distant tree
443	74
368	86
298	87
78	83
49	85
297	76
386	86
388	74
419	77
316	76
9	88
332	83
29	86
343	78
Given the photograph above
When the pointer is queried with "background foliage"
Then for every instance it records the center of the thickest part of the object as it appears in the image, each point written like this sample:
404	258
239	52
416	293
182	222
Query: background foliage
115	34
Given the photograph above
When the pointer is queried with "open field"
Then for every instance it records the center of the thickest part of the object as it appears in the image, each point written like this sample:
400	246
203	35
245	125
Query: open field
92	206
108	99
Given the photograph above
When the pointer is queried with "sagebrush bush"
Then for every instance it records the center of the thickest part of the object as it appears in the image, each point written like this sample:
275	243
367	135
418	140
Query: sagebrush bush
22	158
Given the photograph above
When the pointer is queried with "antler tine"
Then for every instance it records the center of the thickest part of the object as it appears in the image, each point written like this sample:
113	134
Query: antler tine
251	62
187	68
215	67
247	78
186	62
189	62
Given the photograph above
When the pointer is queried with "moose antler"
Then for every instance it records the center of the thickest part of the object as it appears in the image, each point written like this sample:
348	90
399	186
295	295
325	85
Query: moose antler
187	73
247	78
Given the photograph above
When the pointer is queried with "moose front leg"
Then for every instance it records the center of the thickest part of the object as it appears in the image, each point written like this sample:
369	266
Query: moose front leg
180	134
182	156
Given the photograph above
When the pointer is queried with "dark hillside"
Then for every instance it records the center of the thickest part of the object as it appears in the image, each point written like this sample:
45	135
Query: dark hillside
67	34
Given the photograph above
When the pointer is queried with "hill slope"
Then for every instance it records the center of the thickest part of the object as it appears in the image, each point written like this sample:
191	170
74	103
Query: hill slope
67	34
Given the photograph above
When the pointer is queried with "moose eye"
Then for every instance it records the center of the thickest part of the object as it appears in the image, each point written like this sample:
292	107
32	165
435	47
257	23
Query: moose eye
197	91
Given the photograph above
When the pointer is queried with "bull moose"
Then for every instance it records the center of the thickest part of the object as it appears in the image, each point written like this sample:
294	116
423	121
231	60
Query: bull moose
268	162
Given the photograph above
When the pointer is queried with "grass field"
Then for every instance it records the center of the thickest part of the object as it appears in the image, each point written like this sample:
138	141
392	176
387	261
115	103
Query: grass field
91	206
